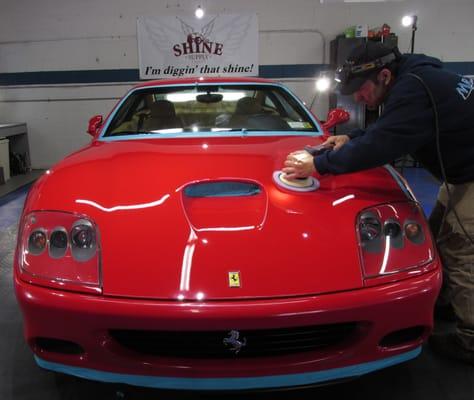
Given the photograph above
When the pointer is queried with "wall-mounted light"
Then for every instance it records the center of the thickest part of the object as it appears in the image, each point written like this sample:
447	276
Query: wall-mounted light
323	83
407	20
411	21
199	13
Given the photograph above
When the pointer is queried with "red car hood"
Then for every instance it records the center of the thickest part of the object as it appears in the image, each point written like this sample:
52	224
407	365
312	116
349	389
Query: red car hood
156	242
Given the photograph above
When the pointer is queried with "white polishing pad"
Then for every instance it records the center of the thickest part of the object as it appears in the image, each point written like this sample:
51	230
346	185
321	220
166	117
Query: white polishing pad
299	185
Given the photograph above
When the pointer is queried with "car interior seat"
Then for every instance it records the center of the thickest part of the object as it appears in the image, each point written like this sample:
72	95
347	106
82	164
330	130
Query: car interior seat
249	114
162	116
245	107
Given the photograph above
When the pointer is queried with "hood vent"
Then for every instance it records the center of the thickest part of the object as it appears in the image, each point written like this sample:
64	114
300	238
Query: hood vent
222	189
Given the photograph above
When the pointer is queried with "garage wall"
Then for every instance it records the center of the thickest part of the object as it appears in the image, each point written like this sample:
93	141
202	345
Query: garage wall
46	43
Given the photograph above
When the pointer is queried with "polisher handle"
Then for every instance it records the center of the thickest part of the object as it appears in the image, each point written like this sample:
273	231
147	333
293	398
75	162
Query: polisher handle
316	150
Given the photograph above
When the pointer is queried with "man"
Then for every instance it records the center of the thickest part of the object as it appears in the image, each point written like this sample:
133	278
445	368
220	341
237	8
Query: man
377	75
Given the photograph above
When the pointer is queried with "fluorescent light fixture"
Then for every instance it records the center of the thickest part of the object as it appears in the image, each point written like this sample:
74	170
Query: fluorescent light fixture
183	97
171	130
233	96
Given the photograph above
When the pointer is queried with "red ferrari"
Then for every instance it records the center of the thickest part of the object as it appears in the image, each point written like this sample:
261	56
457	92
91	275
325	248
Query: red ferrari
171	252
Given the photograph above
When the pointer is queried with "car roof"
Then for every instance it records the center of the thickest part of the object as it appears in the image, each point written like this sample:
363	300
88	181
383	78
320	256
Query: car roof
201	80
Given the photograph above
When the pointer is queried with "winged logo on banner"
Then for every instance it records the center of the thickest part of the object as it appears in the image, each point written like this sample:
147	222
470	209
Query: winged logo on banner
230	35
239	27
159	37
192	36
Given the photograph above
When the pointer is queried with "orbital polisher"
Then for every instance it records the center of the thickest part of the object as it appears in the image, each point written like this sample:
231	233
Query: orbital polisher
307	184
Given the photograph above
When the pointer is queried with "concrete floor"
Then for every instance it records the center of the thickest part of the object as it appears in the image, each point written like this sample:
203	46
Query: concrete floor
426	377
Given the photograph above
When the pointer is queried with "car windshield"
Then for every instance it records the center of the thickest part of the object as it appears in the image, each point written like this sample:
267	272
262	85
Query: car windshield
182	110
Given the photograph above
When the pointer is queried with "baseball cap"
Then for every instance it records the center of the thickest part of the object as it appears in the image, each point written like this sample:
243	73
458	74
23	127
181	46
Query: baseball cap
363	61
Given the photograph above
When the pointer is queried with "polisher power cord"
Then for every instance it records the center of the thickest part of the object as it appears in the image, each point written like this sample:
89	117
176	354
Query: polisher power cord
450	205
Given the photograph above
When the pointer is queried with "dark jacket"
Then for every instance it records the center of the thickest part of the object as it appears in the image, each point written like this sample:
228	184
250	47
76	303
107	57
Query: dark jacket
406	125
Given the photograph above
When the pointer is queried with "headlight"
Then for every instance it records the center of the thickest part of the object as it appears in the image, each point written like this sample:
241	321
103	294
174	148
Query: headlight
73	258
37	242
370	229
58	242
414	232
83	240
392	239
392	229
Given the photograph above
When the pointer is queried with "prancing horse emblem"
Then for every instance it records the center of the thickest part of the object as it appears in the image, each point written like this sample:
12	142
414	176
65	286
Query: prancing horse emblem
233	342
234	279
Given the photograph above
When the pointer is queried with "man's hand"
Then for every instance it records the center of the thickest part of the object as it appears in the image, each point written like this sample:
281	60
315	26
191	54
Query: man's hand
336	141
299	164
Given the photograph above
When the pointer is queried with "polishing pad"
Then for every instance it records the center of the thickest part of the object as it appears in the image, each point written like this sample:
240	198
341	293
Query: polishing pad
300	185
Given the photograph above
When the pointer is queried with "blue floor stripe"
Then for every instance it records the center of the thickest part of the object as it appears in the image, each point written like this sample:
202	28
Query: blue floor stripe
14	195
272	381
11	206
424	185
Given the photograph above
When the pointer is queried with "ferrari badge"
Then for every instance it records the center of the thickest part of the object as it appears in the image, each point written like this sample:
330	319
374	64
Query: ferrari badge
234	279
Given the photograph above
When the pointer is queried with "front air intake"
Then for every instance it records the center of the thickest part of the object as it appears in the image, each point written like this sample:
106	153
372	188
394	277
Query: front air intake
57	346
403	336
254	343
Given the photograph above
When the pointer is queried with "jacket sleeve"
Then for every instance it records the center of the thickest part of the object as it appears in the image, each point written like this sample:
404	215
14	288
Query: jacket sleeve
405	126
356	133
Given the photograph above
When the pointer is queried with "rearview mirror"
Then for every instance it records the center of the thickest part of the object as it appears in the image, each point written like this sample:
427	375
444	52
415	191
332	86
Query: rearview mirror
95	123
335	117
209	98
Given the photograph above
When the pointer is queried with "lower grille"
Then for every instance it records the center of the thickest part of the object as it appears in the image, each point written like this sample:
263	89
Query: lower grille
250	343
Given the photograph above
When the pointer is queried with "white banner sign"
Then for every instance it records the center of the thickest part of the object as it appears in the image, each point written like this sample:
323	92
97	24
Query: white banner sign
222	45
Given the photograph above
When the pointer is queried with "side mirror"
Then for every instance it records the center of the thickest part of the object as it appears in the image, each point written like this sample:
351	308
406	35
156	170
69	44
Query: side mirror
335	117
95	123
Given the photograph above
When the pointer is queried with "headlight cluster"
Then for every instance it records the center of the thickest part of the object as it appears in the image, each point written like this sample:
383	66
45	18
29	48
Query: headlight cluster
60	249
393	238
80	239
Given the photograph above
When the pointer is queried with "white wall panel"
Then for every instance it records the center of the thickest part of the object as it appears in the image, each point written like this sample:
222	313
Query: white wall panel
290	48
72	54
56	128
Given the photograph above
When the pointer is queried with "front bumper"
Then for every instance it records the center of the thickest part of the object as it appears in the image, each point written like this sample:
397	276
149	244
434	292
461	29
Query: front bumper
267	382
87	319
